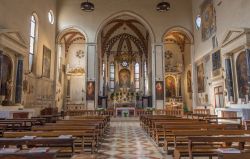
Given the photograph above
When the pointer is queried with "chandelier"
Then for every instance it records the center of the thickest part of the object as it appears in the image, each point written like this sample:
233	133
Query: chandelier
163	6
125	56
87	6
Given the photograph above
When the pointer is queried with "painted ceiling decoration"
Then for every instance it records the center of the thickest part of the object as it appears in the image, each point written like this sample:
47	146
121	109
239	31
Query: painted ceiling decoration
124	35
129	38
71	37
178	38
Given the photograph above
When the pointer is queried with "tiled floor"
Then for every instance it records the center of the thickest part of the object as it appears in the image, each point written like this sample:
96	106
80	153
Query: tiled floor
127	140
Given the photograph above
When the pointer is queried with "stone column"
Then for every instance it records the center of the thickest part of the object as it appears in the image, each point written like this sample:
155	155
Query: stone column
92	73
194	77
158	71
229	79
19	80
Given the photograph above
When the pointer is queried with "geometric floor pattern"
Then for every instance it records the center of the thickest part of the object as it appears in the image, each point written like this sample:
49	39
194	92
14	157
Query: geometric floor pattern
127	140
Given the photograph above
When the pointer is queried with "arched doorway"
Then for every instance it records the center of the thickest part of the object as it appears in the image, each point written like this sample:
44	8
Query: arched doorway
124	52
71	73
177	43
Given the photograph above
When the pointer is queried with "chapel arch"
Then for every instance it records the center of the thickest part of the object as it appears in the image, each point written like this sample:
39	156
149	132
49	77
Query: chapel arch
72	65
124	41
177	56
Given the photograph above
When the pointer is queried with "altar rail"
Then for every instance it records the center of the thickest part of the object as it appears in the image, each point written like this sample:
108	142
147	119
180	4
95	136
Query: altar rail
201	111
89	112
138	112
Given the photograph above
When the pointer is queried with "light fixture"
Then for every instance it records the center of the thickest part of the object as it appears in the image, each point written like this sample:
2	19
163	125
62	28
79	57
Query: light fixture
163	6
87	6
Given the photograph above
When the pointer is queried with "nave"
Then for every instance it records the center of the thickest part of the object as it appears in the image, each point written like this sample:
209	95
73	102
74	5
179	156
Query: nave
127	140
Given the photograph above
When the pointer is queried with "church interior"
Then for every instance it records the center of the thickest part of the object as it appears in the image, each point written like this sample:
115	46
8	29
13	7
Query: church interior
124	79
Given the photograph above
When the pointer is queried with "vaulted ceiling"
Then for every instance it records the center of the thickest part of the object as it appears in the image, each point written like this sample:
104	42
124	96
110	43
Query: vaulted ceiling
124	34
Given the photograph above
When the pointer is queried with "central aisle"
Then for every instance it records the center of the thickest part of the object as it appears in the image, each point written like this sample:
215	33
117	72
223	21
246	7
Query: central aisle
127	140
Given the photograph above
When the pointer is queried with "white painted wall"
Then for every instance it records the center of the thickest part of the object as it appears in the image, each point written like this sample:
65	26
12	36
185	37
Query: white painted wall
230	14
15	14
69	13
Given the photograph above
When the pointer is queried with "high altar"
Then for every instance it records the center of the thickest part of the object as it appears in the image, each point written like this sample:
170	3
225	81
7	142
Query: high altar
124	101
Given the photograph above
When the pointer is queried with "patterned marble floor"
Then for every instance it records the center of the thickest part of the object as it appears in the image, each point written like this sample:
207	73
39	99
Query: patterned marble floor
127	140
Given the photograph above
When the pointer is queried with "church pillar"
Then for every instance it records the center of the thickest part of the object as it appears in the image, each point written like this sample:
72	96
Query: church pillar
92	74
229	78
194	77
19	80
158	76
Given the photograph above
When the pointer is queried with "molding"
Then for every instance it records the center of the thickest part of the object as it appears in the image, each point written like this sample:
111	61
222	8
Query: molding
14	41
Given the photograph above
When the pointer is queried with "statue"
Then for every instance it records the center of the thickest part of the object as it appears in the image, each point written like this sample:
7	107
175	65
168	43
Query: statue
8	90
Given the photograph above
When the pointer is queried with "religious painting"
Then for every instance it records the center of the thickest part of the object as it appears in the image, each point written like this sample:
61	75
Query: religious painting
46	62
216	61
208	22
170	87
159	90
124	78
90	95
6	76
229	80
242	77
200	78
189	82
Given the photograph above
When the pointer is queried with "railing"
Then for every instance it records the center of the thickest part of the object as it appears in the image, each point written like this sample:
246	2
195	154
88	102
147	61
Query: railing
201	111
138	112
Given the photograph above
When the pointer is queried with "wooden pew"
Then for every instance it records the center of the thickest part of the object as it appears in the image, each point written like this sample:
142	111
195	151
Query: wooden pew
217	119
158	131
241	139
90	129
25	154
85	137
168	129
242	155
181	139
101	125
38	142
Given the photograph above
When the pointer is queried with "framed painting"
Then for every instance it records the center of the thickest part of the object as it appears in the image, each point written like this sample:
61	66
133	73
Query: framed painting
90	94
216	62
242	77
159	90
46	62
170	87
200	78
208	16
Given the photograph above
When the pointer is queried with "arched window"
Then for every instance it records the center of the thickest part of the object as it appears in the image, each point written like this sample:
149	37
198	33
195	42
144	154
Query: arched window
33	39
51	17
137	77
112	76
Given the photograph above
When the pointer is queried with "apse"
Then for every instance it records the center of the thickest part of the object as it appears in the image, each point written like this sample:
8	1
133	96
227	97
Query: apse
124	59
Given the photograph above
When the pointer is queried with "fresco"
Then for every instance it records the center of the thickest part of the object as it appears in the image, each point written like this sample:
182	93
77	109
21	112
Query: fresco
46	62
200	78
208	22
